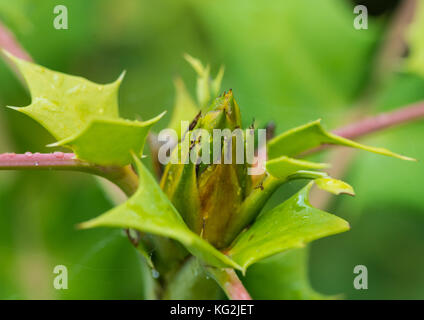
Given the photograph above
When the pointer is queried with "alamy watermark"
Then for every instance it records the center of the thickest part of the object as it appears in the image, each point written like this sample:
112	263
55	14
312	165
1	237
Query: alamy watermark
221	146
361	20
360	282
60	281
60	21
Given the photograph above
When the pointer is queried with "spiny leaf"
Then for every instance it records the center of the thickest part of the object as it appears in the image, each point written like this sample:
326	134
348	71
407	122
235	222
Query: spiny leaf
109	141
206	89
65	104
334	186
289	225
203	91
311	135
283	167
149	210
82	115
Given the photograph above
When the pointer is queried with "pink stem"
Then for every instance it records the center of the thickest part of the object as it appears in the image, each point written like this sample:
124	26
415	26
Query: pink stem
123	177
376	123
8	42
382	121
39	160
234	288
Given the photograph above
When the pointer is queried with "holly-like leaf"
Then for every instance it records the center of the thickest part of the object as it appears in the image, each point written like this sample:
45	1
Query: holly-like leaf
311	135
207	89
149	210
334	186
290	225
82	115
283	167
109	141
65	104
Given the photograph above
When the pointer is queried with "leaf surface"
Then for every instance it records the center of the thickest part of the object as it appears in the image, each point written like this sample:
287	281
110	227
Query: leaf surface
65	104
82	115
312	135
110	141
290	225
283	167
149	210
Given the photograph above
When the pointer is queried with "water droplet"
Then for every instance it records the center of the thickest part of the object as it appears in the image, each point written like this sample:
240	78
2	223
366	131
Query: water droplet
36	164
28	154
155	274
59	155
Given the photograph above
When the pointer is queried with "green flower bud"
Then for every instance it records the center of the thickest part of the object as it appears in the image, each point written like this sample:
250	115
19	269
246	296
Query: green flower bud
208	195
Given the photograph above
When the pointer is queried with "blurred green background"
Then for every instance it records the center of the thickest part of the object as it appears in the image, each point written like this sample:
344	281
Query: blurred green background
287	61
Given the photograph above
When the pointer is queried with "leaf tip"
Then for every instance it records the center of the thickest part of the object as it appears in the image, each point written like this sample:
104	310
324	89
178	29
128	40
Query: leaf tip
121	77
84	225
54	144
14	108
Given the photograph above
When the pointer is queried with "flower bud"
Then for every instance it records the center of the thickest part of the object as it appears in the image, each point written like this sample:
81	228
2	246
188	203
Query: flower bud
210	181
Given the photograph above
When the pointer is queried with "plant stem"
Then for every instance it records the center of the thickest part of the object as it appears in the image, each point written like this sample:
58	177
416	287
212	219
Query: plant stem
382	121
124	177
376	123
127	180
8	42
234	289
230	283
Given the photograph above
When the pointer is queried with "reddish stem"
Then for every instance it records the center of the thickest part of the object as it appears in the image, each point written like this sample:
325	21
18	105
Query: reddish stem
382	121
8	42
234	288
58	160
123	177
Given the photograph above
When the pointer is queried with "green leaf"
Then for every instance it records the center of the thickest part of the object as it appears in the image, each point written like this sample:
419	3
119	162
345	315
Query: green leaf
216	83
203	90
311	135
185	109
290	225
109	141
83	115
149	210
179	183
283	167
65	104
334	186
206	89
